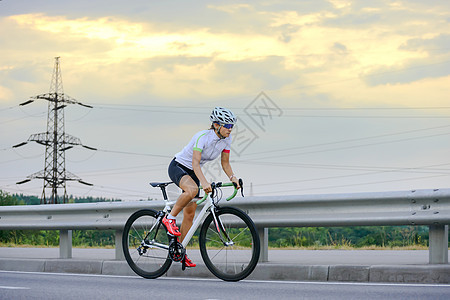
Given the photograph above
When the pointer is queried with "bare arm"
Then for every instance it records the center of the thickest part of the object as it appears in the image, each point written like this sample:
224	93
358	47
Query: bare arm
225	160
198	171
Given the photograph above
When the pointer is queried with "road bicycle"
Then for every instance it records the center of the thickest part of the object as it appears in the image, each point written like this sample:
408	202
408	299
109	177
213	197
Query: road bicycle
228	239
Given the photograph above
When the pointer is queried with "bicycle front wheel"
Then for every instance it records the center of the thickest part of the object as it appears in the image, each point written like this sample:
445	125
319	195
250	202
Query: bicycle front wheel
146	244
231	249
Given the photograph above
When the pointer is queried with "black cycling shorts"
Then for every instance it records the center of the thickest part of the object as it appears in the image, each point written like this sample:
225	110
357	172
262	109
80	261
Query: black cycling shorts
177	171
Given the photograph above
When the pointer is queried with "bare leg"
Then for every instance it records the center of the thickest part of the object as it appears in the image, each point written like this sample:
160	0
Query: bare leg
190	190
188	218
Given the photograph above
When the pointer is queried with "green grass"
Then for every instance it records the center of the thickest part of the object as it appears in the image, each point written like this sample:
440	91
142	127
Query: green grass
321	247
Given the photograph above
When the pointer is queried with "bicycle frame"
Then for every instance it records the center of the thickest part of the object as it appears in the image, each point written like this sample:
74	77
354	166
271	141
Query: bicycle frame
198	221
203	214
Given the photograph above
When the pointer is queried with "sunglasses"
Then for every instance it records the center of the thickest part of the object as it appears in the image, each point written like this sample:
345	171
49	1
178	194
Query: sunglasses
228	126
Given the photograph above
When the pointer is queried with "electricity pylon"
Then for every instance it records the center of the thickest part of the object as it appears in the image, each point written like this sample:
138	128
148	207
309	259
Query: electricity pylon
56	142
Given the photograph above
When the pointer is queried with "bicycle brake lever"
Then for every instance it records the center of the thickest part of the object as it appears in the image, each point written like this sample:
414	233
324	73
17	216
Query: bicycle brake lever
241	183
213	187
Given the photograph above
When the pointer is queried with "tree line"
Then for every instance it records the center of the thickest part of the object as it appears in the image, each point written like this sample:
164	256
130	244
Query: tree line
34	200
315	237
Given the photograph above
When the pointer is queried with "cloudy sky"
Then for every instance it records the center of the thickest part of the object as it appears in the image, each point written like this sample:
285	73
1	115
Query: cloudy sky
332	96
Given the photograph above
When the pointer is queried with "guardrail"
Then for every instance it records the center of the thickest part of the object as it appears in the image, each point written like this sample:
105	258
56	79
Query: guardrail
421	207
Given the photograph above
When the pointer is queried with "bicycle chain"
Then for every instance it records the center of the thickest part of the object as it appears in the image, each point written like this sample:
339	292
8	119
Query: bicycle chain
176	250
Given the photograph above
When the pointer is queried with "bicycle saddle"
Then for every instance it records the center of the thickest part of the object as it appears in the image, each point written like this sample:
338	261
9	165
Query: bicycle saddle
160	184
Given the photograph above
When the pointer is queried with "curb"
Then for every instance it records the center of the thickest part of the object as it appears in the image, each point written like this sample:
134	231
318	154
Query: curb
263	271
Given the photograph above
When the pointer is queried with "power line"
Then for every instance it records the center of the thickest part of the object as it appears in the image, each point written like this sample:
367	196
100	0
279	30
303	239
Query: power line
22	118
378	169
368	108
366	117
124	170
351	147
134	153
195	110
153	109
356	184
372	172
349	140
182	109
119	191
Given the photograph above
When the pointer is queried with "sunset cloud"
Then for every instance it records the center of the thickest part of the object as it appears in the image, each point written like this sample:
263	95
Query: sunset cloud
332	55
306	43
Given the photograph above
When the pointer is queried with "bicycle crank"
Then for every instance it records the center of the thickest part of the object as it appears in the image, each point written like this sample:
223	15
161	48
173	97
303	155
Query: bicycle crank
176	251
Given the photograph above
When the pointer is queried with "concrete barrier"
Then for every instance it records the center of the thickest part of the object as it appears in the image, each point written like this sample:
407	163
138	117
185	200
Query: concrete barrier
264	271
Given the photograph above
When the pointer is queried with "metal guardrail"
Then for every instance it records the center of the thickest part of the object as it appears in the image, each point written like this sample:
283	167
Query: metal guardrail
421	207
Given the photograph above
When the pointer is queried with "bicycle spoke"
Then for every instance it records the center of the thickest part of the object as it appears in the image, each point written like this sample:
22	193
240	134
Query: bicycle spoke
235	257
147	258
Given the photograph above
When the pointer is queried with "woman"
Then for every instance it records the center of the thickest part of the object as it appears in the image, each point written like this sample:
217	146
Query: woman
185	169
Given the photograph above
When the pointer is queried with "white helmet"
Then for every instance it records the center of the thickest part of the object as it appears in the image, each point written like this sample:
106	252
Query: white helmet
222	116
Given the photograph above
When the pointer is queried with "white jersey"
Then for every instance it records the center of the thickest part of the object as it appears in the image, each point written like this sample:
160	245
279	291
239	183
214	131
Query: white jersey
208	143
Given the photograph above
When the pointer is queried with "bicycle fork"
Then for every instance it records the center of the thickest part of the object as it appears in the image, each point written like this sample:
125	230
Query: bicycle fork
221	231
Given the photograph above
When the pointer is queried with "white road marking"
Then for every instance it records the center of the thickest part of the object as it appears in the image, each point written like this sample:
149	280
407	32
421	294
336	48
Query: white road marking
13	288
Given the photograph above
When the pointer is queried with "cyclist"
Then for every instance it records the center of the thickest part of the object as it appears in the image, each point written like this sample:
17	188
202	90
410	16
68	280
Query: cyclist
185	169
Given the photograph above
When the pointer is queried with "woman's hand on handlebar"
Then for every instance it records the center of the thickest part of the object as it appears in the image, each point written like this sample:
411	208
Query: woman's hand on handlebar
210	189
206	187
236	181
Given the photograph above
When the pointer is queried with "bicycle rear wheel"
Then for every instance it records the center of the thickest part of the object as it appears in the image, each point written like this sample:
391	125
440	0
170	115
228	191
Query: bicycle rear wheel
146	244
232	252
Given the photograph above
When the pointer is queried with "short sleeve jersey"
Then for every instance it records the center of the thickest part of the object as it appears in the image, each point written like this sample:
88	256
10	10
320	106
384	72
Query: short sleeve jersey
208	143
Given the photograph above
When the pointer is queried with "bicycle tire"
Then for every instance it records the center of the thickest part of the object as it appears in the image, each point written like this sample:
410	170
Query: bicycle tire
233	262
146	261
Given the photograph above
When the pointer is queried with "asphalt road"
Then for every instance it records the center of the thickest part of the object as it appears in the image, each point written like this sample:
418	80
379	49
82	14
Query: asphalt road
21	285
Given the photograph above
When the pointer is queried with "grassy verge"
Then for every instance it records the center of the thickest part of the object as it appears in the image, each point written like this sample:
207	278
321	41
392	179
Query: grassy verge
325	247
346	247
12	245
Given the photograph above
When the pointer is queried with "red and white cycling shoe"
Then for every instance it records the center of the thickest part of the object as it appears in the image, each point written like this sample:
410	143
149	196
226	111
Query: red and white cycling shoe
171	226
188	263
